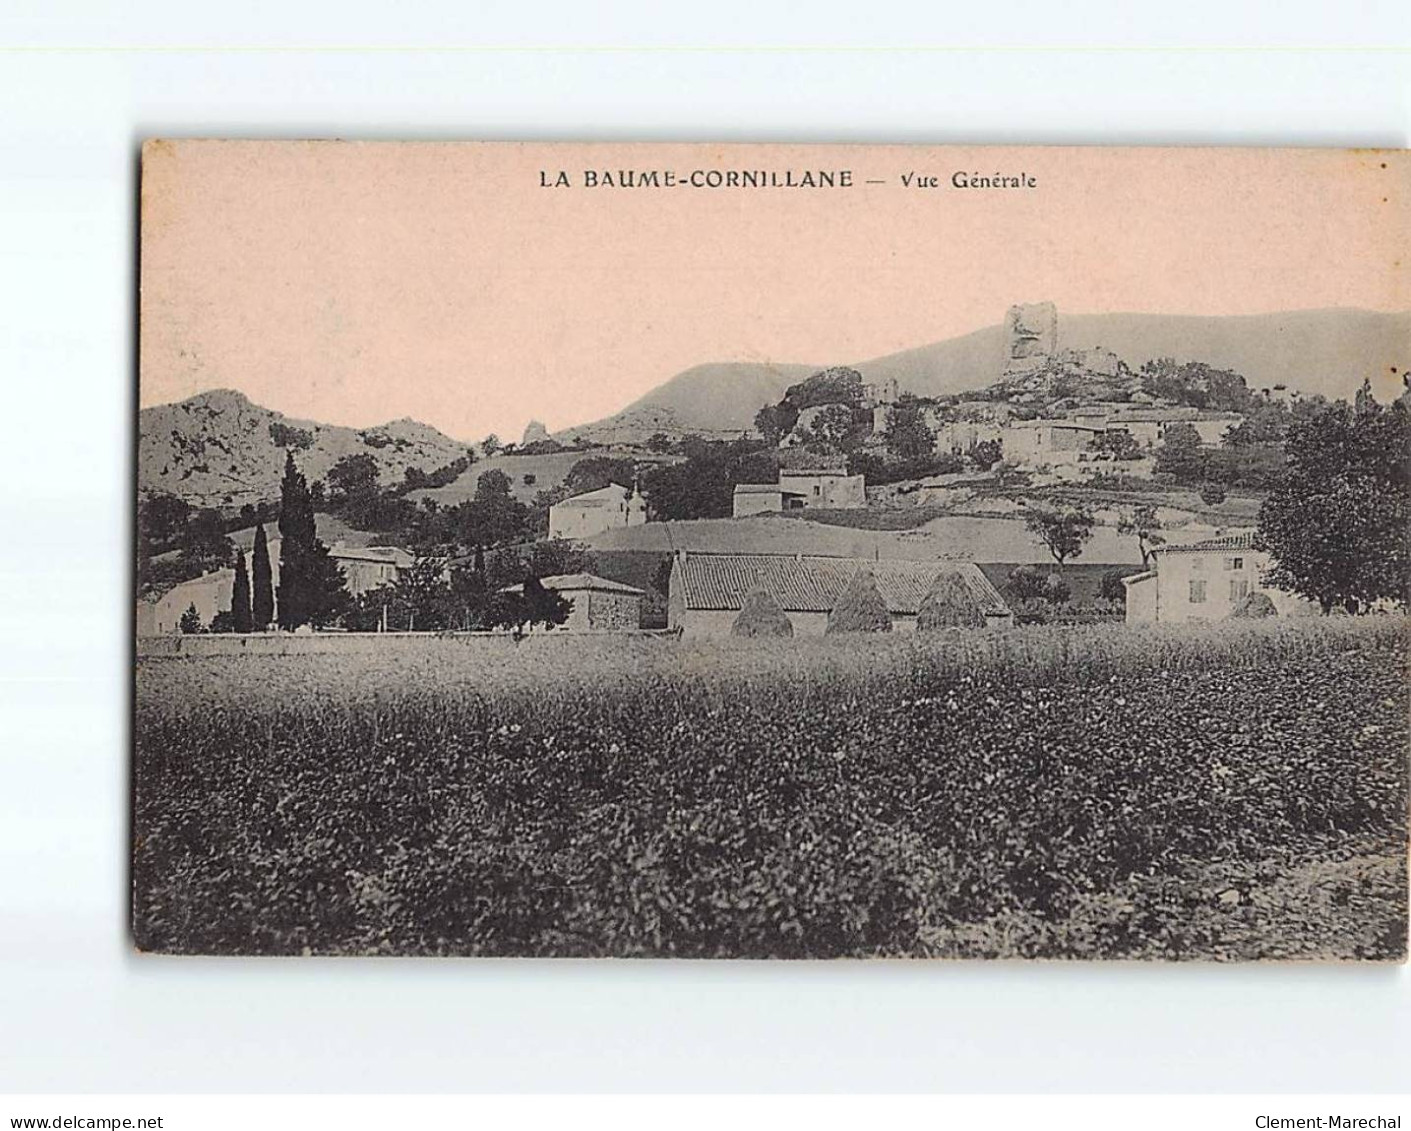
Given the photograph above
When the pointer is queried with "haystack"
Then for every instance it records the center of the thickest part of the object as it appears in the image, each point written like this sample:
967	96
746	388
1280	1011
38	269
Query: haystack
949	604
860	608
762	615
1256	605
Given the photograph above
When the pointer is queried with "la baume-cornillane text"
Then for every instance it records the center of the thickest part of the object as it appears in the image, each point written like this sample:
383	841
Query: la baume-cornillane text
700	178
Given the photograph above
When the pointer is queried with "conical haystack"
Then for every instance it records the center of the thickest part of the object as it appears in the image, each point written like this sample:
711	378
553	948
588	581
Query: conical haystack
1255	605
762	615
949	604
860	608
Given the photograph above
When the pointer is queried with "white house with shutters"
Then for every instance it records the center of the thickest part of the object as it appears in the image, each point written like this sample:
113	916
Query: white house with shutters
1206	580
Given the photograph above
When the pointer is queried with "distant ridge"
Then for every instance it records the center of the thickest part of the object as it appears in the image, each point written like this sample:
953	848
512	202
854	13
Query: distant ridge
1326	352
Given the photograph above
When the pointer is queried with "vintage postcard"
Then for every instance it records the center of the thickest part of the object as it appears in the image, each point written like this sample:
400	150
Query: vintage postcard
754	551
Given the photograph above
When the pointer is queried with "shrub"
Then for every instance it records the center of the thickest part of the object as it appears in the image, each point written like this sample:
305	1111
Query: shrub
1057	591
762	615
949	604
1111	587
1255	605
860	608
1212	494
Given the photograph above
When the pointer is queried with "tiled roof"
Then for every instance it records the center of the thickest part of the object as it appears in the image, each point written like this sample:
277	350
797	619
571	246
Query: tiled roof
1241	541
814	584
565	582
382	555
758	489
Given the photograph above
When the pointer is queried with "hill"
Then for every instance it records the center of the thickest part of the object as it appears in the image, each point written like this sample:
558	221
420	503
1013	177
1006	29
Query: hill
220	449
1311	351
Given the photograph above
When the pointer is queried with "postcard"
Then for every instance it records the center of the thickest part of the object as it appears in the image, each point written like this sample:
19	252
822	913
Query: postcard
772	551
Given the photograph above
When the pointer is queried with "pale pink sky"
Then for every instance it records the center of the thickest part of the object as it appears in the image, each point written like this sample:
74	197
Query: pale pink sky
354	283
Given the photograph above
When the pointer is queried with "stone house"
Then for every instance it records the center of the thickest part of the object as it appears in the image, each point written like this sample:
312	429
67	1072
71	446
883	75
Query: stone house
707	591
1043	443
1206	580
366	567
598	605
593	512
801	487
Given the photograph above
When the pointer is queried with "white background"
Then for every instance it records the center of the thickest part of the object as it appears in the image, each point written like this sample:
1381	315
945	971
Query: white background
80	85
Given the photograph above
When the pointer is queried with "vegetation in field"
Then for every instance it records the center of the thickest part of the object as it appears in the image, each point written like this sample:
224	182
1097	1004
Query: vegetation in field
1237	791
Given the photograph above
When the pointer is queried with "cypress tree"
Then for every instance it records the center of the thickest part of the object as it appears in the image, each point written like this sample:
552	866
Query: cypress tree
296	532
262	608
240	596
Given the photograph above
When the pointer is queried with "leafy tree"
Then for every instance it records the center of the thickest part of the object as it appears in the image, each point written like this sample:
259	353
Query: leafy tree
1212	494
240	617
907	434
261	605
658	442
1111	587
831	429
986	454
353	480
190	622
697	488
1181	454
1061	531
545	606
422	590
597	472
162	518
1339	524
1145	524
490	445
775	421
203	544
1119	444
1267	423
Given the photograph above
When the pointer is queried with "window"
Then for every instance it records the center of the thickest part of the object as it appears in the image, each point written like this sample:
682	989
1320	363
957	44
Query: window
1239	589
1197	592
1198	563
1234	563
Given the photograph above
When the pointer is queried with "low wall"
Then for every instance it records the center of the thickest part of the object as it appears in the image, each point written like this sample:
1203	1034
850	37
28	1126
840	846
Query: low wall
340	643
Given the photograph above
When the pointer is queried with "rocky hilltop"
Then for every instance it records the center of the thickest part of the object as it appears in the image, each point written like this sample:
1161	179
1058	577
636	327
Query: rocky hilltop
1311	351
220	449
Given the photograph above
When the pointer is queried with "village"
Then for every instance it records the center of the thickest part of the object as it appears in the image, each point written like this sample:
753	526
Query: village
981	510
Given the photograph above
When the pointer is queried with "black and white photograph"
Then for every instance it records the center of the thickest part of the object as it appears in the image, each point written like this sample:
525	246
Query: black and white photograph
771	551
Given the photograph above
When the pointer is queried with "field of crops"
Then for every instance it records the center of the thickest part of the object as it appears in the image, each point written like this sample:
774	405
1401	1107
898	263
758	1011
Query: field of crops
1237	791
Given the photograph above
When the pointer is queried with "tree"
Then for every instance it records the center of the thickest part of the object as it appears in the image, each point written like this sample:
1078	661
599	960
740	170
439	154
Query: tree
262	604
986	454
1061	531
353	479
596	472
833	429
775	421
1119	444
838	385
1145	523
907	434
1339	524
190	623
203	543
490	445
1212	494
1111	587
240	618
422	592
325	594
658	442
296	545
544	606
1181	454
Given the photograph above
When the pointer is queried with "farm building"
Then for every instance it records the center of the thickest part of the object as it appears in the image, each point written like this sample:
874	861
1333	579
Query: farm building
363	568
1148	426
1038	443
593	512
599	605
160	613
1205	581
799	488
707	591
